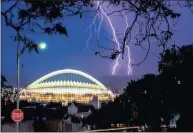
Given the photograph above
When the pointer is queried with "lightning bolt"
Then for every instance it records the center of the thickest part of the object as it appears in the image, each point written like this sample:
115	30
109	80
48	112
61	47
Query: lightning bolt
129	72
102	14
91	32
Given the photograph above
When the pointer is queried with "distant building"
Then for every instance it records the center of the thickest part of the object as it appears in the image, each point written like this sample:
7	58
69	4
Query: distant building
117	92
66	86
72	109
80	110
95	102
73	127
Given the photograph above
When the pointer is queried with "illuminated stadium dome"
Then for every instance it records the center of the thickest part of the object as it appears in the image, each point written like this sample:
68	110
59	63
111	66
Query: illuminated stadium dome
66	86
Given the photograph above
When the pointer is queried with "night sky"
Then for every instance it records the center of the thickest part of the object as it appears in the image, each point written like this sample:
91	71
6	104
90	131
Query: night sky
63	52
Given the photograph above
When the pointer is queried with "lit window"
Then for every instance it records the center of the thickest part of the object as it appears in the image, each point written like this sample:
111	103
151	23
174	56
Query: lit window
117	125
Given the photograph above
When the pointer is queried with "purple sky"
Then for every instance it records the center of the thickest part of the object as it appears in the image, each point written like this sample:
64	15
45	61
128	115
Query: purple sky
63	52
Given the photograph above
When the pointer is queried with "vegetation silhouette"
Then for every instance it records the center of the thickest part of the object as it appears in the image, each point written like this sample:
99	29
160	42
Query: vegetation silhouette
7	92
155	99
152	20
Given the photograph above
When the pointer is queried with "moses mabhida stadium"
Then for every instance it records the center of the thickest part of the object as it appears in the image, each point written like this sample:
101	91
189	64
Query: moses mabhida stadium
66	86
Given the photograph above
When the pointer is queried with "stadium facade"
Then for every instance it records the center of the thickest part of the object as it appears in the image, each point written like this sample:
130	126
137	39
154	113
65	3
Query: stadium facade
66	86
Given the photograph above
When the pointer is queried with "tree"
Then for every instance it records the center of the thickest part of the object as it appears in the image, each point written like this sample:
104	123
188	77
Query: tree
8	96
152	19
3	81
39	16
176	66
146	95
7	92
155	99
168	93
113	113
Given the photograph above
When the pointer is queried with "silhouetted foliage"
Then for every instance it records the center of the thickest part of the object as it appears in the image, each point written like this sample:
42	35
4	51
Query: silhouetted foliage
155	99
112	113
169	92
152	19
43	16
3	81
176	70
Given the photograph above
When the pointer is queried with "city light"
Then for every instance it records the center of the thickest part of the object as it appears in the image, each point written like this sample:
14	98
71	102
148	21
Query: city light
61	89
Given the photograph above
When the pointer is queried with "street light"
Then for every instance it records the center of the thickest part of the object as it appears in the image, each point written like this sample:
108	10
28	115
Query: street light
41	46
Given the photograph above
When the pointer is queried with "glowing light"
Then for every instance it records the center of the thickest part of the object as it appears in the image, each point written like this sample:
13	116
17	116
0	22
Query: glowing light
62	87
102	14
42	45
68	71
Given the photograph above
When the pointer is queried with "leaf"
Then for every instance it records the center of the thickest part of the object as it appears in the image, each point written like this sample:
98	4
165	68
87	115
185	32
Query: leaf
80	15
48	30
30	49
22	14
113	56
35	46
23	50
61	29
77	12
153	35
